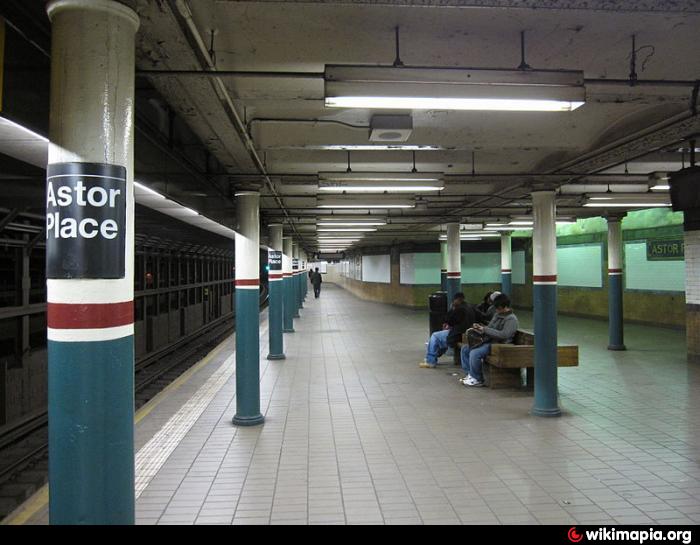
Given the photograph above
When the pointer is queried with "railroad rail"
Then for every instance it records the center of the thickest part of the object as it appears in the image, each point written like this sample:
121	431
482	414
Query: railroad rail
24	443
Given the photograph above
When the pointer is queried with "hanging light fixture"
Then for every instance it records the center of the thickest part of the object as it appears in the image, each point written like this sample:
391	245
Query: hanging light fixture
398	88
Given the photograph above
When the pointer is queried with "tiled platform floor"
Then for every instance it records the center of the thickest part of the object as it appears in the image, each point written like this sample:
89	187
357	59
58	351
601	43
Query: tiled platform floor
355	432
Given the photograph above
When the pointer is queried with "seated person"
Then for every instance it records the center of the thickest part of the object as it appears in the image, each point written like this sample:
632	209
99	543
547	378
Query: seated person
457	321
491	309
501	329
483	307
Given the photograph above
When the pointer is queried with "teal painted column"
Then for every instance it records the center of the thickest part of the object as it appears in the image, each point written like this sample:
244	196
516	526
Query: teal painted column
300	271
443	268
275	307
295	279
90	276
288	326
506	266
615	314
544	279
247	241
305	275
454	262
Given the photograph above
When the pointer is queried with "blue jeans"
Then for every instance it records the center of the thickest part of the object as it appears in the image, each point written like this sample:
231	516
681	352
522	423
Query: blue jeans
437	346
471	360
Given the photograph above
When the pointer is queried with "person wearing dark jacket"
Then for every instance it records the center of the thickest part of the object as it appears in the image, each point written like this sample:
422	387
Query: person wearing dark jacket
501	329
316	281
458	319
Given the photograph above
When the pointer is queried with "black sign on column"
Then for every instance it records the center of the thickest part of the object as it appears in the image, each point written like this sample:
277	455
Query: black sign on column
85	220
274	259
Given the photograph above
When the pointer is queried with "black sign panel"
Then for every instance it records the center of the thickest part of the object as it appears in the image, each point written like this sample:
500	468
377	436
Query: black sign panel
295	264
274	259
665	249
85	220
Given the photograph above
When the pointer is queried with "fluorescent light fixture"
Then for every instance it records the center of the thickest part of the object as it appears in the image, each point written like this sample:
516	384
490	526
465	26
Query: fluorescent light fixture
380	182
380	176
631	204
453	89
148	190
639	197
386	188
521	222
658	181
349	223
346	229
628	200
375	147
511	228
29	132
376	202
466	236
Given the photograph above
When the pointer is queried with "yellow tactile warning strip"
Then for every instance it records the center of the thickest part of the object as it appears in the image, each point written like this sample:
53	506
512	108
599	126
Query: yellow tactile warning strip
166	439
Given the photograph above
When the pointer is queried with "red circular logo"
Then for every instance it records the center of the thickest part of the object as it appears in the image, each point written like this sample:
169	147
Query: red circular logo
574	536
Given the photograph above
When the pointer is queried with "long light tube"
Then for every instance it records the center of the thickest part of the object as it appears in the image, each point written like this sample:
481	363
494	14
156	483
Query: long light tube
346	229
349	223
452	89
464	104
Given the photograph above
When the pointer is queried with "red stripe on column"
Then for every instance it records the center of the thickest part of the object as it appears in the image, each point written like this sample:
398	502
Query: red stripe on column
544	278
89	315
612	271
506	270
247	281
453	275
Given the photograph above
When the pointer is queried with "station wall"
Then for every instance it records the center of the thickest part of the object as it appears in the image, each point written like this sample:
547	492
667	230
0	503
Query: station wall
654	286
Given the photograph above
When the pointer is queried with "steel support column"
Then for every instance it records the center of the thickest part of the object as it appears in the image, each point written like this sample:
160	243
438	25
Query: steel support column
443	267
276	290
295	279
544	279
90	310
454	262
506	266
287	285
248	310
615	316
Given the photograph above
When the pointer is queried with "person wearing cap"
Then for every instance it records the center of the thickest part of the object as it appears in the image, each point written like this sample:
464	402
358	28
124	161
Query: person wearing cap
491	311
501	329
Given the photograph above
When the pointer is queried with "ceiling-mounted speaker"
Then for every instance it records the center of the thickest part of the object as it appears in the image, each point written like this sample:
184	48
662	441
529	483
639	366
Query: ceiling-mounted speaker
390	128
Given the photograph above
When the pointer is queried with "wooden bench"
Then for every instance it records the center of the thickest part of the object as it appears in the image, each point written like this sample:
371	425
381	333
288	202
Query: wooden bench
502	367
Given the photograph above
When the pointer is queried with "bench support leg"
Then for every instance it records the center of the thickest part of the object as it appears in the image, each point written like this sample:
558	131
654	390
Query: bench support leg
497	377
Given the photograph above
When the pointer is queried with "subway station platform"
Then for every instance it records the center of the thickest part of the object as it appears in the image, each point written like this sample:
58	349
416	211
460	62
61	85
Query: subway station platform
357	433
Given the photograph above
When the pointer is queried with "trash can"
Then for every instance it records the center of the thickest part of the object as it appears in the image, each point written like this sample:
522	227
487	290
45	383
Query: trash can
437	303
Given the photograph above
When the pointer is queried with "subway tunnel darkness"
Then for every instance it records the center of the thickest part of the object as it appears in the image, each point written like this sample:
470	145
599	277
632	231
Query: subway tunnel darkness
176	175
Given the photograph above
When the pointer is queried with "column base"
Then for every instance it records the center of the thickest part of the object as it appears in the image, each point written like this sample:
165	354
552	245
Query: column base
617	347
248	420
296	315
276	357
545	412
288	330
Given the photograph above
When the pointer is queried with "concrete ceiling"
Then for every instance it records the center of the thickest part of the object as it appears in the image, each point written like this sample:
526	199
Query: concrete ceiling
264	123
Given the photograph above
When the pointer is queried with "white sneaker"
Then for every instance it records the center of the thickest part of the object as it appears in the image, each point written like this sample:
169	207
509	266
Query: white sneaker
465	379
471	381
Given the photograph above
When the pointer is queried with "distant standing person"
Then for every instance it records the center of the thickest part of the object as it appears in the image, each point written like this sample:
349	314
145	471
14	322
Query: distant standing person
316	281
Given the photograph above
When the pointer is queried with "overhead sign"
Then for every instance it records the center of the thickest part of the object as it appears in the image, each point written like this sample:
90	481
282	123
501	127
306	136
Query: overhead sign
85	220
295	264
665	249
274	259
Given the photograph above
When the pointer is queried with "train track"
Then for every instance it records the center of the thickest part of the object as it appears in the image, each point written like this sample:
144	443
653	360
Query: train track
24	443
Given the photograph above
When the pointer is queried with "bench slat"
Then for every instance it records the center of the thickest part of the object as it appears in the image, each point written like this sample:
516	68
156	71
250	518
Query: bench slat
517	356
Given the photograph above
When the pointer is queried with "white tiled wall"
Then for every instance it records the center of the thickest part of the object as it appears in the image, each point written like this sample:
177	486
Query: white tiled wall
692	267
